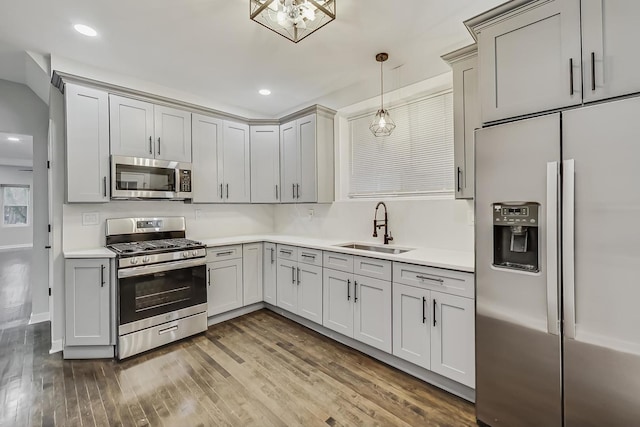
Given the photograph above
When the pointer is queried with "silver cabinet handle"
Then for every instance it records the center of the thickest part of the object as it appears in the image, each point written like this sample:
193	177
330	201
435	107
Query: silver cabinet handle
348	289
553	315
158	146
287	252
593	71
221	196
293	190
272	260
150	146
224	253
102	282
434	312
297	191
568	247
424	310
209	276
459	186
276	192
227	191
355	291
293	274
308	256
104	186
298	275
434	279
570	76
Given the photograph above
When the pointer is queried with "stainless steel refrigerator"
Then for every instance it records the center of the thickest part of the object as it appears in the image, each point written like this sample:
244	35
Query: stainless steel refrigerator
557	209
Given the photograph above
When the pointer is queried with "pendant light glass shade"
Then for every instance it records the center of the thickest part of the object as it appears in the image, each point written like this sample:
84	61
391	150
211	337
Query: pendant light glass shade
382	124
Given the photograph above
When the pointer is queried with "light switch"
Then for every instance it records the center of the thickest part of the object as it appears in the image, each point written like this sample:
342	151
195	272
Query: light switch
90	218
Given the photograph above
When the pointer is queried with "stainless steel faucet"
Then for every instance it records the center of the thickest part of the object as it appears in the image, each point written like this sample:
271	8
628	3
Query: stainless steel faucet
377	223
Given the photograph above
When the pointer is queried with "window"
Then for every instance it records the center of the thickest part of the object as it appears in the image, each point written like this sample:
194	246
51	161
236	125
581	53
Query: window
416	159
15	204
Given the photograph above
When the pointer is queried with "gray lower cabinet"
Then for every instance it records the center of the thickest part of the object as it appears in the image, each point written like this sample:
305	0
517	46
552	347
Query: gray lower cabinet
87	302
224	280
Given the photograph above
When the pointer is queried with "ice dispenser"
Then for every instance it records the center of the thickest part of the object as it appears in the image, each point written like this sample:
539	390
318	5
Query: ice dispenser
515	236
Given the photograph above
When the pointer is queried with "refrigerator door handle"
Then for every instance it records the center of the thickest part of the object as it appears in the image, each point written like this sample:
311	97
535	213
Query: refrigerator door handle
553	320
568	247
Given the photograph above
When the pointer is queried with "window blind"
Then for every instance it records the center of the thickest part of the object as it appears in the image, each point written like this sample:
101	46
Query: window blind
417	158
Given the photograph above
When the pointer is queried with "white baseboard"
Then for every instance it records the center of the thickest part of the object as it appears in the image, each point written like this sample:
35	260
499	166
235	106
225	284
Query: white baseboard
56	346
214	320
15	247
39	318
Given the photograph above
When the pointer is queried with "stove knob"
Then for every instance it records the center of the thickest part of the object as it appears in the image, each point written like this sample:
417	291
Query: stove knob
145	259
134	260
185	254
194	253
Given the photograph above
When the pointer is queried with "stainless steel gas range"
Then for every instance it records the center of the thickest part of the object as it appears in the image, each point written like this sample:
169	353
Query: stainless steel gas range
161	291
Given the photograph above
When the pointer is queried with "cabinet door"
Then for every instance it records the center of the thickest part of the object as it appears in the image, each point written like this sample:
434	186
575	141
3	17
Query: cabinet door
289	161
131	127
207	171
337	298
372	311
224	286
609	35
412	325
307	175
269	273
173	134
287	288
529	60
265	164
252	273
310	292
87	302
453	337
87	144
466	118
236	163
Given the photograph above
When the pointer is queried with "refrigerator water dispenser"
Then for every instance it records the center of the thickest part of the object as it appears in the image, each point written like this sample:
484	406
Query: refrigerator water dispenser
515	236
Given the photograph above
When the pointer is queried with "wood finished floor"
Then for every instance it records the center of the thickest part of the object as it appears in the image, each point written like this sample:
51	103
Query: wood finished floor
260	370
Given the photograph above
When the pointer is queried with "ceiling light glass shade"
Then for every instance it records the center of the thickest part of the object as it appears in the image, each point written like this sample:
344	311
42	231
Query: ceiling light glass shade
382	124
293	19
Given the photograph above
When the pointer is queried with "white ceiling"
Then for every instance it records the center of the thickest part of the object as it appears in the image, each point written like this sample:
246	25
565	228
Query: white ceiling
210	48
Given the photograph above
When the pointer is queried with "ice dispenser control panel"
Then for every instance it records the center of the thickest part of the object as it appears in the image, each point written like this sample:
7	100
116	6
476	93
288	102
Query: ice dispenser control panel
515	236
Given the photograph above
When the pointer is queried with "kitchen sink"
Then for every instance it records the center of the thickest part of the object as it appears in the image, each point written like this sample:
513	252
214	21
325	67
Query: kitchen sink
373	248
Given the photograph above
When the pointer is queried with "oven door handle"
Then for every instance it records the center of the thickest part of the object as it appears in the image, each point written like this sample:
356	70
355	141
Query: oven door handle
145	270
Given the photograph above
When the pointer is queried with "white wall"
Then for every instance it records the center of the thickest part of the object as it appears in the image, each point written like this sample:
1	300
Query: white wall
17	236
22	112
213	220
443	222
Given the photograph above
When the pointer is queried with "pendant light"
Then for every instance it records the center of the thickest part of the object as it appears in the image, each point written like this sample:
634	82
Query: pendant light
382	124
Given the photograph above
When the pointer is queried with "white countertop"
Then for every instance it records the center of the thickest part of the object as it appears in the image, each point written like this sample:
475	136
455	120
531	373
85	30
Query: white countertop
89	253
440	258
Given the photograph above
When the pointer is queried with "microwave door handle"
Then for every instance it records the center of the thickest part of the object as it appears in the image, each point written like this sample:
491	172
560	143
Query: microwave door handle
568	247
553	319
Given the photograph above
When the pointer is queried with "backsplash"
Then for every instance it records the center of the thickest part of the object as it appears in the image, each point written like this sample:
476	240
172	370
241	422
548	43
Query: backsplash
442	224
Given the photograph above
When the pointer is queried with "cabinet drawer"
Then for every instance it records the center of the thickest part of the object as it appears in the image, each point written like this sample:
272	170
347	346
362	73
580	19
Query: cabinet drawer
310	256
451	282
224	252
288	252
371	267
338	261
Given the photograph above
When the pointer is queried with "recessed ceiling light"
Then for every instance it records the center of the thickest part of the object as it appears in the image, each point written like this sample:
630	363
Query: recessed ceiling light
85	30
13	139
264	92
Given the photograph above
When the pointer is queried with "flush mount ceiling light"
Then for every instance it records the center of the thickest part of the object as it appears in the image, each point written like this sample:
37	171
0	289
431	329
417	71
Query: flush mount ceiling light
293	19
382	124
85	30
13	139
264	92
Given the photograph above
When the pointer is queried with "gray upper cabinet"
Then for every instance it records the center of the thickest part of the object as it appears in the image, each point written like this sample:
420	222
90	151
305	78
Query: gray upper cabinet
172	133
221	166
466	116
529	58
265	164
87	144
87	302
207	143
306	159
131	127
610	32
141	129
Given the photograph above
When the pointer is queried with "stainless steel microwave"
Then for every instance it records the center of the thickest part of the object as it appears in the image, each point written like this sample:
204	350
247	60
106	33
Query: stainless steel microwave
139	178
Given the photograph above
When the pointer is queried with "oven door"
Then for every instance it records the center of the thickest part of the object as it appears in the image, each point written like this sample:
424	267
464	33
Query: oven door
155	294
